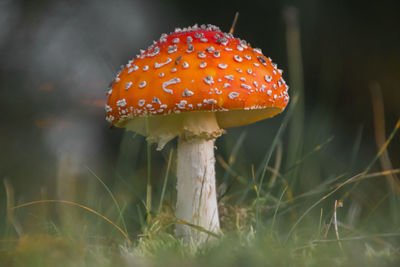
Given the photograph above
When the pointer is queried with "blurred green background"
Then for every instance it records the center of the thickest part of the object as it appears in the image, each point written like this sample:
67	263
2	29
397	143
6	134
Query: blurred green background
57	59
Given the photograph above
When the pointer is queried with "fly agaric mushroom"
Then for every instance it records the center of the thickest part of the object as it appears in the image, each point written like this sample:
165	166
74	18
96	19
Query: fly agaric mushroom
192	84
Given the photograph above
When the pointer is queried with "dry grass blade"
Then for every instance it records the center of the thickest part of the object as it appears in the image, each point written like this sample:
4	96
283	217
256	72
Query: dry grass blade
337	205
362	175
121	216
197	227
317	190
379	125
355	179
357	238
321	188
76	205
376	174
347	239
289	193
235	20
309	154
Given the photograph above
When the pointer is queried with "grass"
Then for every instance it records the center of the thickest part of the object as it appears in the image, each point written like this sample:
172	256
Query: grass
305	229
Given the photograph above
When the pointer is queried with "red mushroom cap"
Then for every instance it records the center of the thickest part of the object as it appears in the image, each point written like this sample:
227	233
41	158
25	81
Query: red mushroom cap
193	70
198	69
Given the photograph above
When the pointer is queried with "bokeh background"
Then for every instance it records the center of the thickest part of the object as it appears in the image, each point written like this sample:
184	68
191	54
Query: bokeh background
57	59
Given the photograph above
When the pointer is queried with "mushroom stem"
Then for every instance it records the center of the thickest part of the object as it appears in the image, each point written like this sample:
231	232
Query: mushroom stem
196	189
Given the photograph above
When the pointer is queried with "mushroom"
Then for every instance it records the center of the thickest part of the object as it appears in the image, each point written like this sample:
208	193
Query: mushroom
192	84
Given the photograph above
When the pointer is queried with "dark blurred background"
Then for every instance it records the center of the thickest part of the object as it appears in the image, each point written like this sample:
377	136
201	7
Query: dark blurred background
57	59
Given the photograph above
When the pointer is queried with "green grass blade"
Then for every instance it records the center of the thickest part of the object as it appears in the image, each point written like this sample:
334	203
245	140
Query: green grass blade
269	153
264	166
296	79
232	156
377	156
165	181
309	154
356	146
276	209
302	216
148	186
121	216
139	212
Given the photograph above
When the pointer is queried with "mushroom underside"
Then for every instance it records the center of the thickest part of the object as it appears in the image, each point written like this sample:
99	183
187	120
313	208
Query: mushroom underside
194	124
